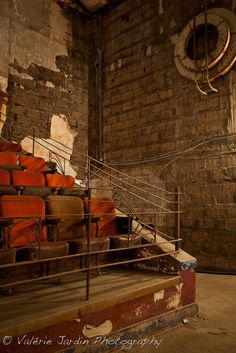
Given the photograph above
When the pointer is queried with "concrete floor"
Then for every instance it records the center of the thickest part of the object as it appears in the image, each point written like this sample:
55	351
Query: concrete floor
213	331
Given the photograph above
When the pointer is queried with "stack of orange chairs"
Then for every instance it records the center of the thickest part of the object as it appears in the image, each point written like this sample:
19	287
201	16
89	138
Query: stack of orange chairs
23	223
29	229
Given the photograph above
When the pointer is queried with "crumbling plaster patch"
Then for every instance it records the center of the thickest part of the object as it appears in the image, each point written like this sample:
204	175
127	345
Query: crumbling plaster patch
60	131
159	295
174	301
29	46
4	52
91	331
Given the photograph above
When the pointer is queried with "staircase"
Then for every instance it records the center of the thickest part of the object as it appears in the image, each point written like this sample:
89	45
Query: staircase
116	268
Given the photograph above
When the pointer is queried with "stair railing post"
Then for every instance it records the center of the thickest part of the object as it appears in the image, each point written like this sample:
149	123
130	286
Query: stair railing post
89	231
177	218
33	144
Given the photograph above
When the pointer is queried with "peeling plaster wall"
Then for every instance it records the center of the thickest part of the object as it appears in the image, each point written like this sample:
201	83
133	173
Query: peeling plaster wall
59	131
44	71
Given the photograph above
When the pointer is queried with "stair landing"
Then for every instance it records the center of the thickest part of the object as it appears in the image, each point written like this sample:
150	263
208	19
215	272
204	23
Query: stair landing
119	299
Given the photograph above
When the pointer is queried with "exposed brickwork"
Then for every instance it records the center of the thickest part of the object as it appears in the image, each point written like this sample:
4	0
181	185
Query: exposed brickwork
149	109
37	92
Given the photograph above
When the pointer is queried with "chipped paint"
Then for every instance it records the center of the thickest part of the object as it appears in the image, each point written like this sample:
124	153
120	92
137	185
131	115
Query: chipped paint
138	311
174	301
91	331
187	265
159	295
60	131
179	287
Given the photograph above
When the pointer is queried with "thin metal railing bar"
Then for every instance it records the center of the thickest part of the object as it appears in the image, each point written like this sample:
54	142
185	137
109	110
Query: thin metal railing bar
75	256
60	274
99	169
104	165
138	197
135	195
113	169
134	186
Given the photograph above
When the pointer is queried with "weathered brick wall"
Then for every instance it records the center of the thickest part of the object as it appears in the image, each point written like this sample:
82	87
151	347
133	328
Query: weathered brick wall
46	70
150	110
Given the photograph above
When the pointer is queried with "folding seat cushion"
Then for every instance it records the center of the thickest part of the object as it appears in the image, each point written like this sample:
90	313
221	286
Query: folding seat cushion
103	207
10	146
5	177
60	181
23	231
8	159
33	164
70	209
23	213
5	181
26	178
72	227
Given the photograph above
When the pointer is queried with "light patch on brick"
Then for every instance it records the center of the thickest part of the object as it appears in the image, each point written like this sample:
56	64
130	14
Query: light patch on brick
112	67
159	295
161	10
149	51
91	331
161	29
120	63
50	84
3	109
60	131
174	39
174	301
3	83
22	75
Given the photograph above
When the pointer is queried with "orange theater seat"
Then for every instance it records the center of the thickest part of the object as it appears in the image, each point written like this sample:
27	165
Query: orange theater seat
23	231
5	177
103	207
25	178
33	164
10	146
8	159
60	181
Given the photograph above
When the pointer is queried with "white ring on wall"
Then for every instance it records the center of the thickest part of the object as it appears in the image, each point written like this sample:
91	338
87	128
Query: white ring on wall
223	56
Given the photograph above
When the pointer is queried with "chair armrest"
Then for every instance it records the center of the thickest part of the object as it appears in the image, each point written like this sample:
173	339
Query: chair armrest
53	220
6	222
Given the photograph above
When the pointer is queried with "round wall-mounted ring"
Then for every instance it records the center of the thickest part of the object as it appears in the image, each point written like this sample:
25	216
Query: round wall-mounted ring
221	32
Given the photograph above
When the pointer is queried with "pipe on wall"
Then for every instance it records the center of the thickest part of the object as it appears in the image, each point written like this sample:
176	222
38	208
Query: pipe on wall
100	89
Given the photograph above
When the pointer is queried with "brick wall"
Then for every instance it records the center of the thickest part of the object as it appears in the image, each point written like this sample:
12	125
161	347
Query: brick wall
47	70
150	110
